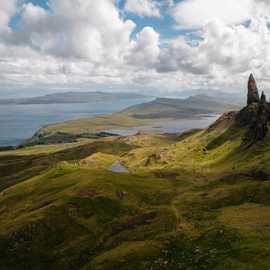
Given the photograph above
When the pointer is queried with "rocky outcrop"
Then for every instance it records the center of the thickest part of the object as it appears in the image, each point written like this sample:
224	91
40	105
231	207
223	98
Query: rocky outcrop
258	128
253	94
255	117
263	98
225	121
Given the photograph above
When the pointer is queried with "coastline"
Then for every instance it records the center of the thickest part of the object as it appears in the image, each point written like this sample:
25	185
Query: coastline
166	125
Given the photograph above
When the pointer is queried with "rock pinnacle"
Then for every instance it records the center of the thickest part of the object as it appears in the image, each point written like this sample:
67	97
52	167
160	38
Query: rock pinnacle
253	94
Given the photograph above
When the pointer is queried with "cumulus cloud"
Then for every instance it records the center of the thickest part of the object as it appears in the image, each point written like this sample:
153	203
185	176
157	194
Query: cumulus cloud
147	8
78	41
196	13
7	11
75	28
233	40
81	43
145	49
224	56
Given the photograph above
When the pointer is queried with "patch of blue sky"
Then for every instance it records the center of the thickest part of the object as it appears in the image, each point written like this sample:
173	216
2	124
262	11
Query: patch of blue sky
15	21
42	3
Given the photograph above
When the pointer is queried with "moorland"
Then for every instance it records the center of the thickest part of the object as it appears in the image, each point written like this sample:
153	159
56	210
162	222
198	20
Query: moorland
196	200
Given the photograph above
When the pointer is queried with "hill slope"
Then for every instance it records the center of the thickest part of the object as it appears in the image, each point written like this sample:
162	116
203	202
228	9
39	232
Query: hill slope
196	201
179	108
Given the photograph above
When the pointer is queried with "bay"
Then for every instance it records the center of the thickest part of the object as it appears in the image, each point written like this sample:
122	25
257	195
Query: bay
20	122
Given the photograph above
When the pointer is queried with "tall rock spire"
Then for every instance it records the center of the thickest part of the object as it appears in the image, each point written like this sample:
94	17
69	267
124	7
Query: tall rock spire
263	98
253	94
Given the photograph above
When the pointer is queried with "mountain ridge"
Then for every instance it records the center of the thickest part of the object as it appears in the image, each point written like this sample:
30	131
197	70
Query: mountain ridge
72	97
190	107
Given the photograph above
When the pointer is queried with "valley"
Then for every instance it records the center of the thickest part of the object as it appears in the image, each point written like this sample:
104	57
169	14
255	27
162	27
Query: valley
197	200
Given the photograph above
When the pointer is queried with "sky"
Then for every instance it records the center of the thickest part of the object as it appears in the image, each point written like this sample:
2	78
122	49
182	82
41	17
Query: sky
146	46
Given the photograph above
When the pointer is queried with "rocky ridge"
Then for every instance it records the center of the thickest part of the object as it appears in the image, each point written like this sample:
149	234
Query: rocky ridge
255	116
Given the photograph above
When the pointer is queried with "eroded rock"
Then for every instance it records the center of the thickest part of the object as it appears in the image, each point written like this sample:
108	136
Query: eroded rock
253	94
255	116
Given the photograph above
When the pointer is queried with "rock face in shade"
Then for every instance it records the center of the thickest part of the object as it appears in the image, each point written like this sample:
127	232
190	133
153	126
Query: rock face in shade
253	94
255	116
253	119
258	128
263	98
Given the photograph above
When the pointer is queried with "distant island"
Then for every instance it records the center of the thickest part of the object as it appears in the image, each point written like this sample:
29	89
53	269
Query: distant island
72	97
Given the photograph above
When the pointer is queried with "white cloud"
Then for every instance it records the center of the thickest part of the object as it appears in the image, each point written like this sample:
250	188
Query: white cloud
75	41
75	28
32	14
78	43
7	11
224	56
196	13
227	50
147	8
145	50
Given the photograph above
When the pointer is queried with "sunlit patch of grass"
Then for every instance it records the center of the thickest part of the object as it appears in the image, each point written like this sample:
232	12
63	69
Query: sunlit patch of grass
98	160
93	124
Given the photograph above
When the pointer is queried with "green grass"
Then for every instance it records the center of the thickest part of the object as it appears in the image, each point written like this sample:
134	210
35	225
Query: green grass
194	202
67	204
93	124
15	168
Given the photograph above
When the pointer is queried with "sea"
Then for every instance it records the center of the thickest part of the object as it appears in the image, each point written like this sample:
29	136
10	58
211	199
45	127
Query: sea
20	122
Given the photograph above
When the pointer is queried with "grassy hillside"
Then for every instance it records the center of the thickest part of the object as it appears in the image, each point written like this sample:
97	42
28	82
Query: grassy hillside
92	124
196	201
85	128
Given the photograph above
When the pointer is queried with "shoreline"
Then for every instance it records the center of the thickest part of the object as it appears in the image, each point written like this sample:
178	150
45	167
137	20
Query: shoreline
162	126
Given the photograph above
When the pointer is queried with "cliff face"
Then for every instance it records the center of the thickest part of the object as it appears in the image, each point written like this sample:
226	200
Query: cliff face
255	116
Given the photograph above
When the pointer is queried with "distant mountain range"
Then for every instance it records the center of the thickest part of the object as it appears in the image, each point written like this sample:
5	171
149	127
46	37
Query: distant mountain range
180	108
88	97
72	97
226	97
